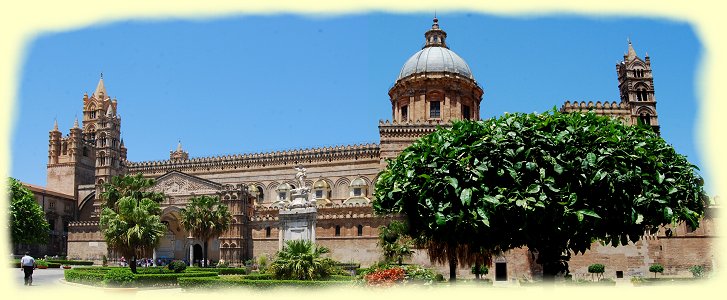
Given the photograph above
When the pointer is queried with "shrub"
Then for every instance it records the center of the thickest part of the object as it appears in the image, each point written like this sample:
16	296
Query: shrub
72	262
439	277
483	270
85	276
656	268
301	259
239	281
697	271
420	274
104	261
177	266
118	277
597	269
167	279
41	263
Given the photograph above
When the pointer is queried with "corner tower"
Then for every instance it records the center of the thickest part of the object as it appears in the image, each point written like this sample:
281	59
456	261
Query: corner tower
434	87
636	87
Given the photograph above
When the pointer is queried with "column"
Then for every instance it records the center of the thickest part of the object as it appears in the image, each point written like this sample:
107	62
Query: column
280	236
154	257
191	250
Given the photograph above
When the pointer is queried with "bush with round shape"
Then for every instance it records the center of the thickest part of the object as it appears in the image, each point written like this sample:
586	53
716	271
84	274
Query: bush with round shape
118	277
177	266
597	269
656	268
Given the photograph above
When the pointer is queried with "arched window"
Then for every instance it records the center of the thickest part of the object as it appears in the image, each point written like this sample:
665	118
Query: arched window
434	109
359	230
338	230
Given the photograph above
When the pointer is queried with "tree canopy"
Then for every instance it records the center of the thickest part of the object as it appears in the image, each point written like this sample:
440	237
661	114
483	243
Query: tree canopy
206	217
130	219
28	225
553	182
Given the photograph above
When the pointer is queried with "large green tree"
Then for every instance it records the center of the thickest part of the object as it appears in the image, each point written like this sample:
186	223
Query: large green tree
553	182
206	217
28	225
130	218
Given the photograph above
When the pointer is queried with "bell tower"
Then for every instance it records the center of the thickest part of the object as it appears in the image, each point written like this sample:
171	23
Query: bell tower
102	130
636	87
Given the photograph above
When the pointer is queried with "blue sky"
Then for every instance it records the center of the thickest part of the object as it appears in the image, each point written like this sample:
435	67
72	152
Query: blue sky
246	84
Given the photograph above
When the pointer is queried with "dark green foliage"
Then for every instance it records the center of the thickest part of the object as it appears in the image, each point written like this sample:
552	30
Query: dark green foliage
220	271
302	260
84	276
238	282
71	262
118	277
130	220
697	271
177	266
482	270
597	269
553	182
28	225
656	268
206	217
394	242
258	276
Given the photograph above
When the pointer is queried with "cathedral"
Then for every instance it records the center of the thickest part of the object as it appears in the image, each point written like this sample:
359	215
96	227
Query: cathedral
434	87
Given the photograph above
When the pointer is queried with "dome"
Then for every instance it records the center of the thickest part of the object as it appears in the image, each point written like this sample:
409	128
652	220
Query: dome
435	59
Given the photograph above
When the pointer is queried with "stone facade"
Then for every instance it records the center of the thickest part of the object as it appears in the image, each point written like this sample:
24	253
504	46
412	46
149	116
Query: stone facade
60	210
435	87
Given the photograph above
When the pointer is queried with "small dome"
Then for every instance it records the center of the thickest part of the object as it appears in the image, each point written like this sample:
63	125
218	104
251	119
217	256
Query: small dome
284	187
359	182
435	59
321	184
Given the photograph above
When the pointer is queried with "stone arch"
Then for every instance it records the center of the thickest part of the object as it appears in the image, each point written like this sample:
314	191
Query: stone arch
271	195
644	110
340	188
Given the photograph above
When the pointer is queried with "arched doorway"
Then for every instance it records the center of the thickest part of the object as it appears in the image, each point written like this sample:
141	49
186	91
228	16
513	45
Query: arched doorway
500	269
197	254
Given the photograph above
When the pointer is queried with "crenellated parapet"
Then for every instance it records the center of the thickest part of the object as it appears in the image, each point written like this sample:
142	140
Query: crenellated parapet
257	160
613	109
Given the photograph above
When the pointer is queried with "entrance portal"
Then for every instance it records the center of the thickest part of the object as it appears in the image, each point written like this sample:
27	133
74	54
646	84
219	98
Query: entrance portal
197	254
500	271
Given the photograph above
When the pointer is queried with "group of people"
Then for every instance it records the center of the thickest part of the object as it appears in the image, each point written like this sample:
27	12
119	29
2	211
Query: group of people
143	262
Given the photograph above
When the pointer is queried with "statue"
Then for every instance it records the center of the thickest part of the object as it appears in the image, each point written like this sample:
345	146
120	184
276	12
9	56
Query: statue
300	176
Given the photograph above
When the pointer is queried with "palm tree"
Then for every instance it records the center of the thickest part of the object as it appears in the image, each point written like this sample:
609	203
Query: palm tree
302	260
130	221
205	217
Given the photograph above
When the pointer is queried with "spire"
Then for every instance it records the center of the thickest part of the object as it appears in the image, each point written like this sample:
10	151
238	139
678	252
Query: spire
179	145
100	88
75	123
435	37
55	125
110	111
122	142
631	52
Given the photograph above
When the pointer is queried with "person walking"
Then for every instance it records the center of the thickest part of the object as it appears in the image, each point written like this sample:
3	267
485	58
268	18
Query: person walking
27	263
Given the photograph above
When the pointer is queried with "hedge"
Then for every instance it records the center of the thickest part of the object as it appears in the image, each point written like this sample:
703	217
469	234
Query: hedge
148	277
221	271
239	281
71	262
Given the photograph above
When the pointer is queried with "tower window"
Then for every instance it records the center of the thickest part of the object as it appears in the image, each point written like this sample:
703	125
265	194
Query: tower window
357	192
645	119
281	196
319	194
92	114
434	111
404	113
338	230
466	112
267	231
359	230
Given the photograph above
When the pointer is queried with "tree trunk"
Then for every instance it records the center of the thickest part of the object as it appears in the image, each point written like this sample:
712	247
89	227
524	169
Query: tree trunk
204	254
452	263
132	263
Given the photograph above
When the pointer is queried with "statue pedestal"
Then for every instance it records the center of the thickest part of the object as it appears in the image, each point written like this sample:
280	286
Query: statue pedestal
297	222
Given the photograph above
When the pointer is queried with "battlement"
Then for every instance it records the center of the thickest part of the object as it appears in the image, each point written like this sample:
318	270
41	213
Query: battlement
579	106
274	158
